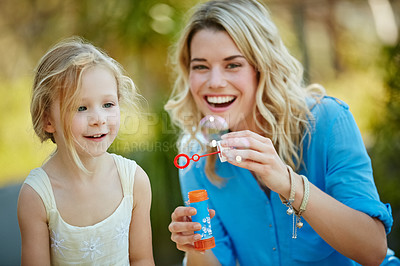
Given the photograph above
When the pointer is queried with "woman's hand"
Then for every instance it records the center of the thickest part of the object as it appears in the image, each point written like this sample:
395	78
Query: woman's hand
257	154
182	228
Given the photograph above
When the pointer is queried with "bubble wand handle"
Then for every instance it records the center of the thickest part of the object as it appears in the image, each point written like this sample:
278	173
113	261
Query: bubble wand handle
194	158
207	154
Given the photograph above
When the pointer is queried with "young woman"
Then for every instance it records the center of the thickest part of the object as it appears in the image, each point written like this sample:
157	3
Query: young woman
231	62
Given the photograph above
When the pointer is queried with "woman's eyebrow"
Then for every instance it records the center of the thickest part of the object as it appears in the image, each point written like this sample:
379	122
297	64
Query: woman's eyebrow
198	60
233	57
225	59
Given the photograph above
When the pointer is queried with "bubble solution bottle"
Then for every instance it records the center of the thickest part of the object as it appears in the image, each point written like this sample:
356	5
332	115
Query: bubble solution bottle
199	200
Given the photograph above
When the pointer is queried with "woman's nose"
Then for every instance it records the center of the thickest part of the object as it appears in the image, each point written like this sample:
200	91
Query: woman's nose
216	79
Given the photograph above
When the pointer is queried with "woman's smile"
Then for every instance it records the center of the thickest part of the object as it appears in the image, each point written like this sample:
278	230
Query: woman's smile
219	103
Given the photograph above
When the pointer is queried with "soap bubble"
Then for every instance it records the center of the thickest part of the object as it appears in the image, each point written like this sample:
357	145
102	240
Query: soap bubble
212	127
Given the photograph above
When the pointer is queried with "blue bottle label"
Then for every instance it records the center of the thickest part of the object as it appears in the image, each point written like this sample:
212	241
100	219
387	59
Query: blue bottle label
203	217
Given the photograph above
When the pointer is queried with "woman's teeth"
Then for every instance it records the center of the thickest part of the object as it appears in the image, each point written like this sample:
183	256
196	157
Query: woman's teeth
219	99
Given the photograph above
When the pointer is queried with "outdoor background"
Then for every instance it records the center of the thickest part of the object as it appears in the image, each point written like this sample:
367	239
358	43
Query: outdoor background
349	46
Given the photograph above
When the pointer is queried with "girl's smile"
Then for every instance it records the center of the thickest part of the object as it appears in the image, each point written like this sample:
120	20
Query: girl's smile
97	137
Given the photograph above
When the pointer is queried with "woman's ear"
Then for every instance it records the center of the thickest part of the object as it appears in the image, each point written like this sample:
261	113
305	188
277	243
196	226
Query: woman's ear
49	126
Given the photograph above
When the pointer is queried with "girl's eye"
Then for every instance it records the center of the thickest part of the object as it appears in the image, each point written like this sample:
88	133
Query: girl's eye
108	105
82	108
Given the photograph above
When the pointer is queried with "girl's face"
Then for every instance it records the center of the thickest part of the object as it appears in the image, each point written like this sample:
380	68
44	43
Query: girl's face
96	122
222	82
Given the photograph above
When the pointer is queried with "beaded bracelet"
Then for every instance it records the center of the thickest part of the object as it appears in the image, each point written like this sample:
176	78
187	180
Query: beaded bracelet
303	207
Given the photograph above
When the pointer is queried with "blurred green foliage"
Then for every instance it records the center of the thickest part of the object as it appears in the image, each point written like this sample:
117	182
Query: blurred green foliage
335	39
385	153
19	148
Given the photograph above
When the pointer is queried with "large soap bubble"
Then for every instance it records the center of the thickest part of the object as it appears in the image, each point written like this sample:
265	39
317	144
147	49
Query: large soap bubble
212	127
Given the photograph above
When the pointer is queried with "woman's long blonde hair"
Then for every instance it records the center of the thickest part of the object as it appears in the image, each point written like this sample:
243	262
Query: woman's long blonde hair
58	76
281	110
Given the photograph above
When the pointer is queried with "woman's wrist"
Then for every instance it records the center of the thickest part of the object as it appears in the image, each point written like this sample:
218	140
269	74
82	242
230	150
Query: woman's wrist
287	188
299	191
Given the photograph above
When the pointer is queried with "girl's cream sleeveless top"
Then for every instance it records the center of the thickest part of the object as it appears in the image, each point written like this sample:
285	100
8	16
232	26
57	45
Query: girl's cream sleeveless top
104	243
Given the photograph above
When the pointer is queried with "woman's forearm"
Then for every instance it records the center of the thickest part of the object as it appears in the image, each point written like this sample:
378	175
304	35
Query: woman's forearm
352	233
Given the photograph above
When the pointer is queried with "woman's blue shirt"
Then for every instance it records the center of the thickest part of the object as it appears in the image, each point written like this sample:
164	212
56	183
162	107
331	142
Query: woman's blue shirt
252	228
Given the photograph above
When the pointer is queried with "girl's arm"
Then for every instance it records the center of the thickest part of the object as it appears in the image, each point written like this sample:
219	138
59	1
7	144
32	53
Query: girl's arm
32	221
140	243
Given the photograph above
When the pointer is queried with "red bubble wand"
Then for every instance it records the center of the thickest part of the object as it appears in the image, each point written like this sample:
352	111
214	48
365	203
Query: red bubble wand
210	125
194	158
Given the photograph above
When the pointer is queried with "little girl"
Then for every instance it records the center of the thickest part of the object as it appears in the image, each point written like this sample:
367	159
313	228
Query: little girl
83	206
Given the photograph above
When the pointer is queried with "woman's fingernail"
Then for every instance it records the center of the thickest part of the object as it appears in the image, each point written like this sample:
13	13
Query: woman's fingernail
197	237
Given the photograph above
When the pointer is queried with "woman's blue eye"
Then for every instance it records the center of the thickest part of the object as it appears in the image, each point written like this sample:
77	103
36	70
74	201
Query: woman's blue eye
82	108
108	105
233	65
198	67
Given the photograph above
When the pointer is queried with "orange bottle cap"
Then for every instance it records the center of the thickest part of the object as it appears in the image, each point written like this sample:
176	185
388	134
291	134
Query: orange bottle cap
197	195
205	244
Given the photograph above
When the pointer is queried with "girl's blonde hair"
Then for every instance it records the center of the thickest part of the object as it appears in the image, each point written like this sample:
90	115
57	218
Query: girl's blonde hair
281	110
58	76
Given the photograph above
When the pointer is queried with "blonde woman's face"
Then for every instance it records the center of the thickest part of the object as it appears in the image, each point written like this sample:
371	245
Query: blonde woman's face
96	122
222	82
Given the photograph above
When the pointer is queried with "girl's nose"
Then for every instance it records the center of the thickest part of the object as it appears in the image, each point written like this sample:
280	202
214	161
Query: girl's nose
98	118
216	79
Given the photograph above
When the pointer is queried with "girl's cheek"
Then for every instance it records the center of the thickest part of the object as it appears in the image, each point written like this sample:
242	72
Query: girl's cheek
114	120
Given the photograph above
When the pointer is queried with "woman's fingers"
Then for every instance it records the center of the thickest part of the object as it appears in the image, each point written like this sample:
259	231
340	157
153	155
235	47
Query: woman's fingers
244	134
211	212
181	222
256	153
185	237
245	155
251	141
182	229
185	243
251	160
185	248
181	213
